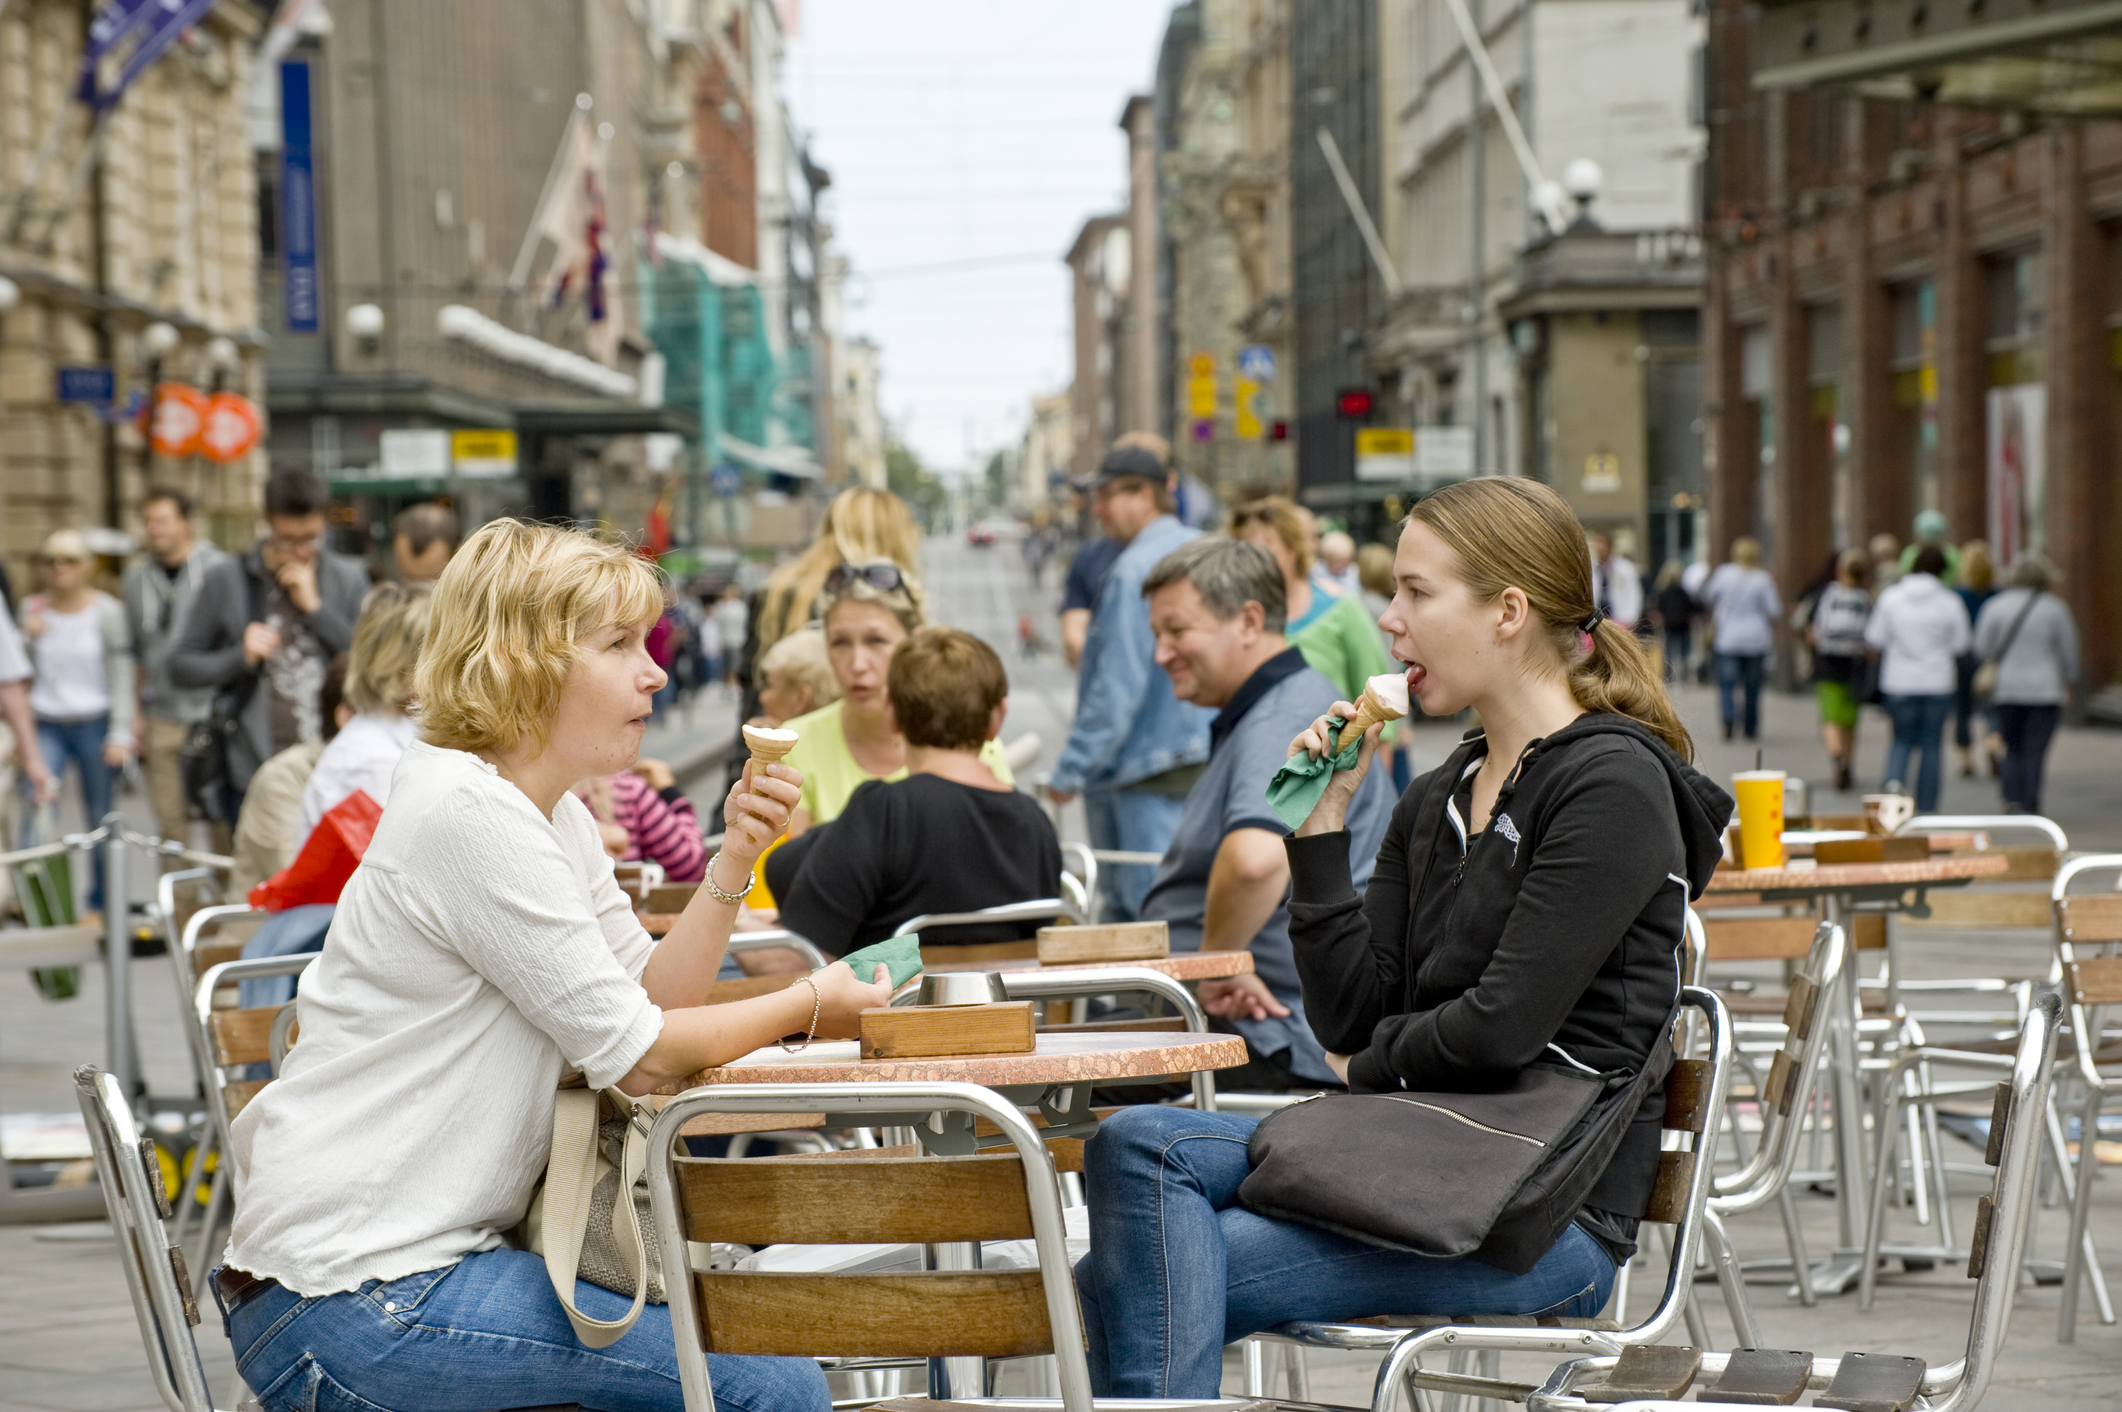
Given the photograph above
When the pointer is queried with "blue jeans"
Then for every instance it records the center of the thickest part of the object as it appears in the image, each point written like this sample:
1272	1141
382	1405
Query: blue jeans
2027	731
1177	1268
485	1332
81	742
1130	821
1919	724
1734	672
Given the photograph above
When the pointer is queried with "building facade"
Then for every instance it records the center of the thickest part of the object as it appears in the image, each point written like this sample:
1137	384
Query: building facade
146	220
1569	354
1912	306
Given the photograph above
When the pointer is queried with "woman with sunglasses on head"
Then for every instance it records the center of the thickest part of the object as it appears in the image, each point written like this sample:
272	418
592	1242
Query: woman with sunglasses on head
83	694
868	610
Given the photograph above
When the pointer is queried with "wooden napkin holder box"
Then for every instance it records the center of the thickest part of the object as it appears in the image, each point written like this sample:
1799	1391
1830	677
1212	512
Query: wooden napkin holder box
1872	850
935	1031
1121	941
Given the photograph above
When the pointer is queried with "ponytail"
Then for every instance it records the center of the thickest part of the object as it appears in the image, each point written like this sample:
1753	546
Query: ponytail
1509	531
1616	675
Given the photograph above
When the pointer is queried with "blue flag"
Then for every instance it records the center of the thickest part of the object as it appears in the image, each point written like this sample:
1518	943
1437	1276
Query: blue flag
133	34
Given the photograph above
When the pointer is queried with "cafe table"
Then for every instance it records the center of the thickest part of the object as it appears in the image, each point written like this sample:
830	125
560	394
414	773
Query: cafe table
1053	1081
1839	890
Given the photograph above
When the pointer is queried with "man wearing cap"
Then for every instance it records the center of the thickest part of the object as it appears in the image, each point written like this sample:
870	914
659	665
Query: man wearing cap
1135	748
1930	529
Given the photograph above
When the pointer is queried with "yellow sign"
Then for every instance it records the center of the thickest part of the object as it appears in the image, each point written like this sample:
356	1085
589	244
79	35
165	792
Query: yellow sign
483	451
1247	392
1385	441
1602	473
1202	365
1201	396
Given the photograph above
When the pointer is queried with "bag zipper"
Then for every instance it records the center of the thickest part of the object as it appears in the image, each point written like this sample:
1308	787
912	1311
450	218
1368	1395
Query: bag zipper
1460	1118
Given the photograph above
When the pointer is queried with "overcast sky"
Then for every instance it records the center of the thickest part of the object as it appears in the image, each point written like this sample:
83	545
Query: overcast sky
976	136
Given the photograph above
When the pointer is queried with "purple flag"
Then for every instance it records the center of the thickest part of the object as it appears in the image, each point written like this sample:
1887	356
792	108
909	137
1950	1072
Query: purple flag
134	33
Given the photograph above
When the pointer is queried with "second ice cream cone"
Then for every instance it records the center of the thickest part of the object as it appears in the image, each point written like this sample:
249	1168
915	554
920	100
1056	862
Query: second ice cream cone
768	746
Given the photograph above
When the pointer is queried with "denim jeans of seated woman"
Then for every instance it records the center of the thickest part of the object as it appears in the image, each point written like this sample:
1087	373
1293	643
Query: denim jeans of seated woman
484	1333
1178	1269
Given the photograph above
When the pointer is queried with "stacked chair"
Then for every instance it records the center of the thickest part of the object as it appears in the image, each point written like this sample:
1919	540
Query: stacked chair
1656	1378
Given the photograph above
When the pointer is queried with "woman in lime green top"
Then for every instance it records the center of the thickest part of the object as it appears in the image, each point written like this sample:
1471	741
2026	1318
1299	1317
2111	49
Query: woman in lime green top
869	610
1336	633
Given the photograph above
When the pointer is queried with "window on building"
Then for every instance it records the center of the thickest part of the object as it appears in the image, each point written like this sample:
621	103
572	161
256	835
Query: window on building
1908	452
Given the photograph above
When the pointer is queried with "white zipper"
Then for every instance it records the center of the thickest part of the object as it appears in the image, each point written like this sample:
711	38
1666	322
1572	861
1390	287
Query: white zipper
1462	1118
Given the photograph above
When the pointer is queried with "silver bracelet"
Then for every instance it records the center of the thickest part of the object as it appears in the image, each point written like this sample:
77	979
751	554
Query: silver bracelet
751	880
817	1003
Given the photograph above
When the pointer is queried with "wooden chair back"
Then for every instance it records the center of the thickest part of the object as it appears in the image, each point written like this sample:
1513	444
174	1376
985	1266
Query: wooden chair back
2089	942
884	1199
231	1040
1995	903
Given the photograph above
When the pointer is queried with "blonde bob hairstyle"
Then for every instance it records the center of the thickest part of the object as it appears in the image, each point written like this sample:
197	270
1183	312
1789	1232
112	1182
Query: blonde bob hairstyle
1513	533
387	641
1282	516
510	613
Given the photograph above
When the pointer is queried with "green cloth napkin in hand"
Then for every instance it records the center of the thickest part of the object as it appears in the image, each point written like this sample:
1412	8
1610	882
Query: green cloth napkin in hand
1294	791
901	953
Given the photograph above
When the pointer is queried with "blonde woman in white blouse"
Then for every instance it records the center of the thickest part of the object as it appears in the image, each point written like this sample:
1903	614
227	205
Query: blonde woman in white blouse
481	950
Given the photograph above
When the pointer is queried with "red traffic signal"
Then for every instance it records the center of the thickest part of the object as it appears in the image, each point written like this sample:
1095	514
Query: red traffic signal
1353	402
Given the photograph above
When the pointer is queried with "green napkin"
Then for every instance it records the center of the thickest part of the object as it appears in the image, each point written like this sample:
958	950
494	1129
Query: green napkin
1294	791
901	953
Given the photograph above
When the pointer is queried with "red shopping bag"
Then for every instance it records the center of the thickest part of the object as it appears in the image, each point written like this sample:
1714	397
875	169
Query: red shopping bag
328	857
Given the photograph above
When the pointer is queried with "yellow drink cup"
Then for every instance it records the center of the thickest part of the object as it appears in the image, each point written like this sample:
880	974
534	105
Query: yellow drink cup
1760	796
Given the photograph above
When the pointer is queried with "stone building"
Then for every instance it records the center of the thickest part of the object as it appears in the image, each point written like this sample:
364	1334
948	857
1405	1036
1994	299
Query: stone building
1569	354
1911	304
151	223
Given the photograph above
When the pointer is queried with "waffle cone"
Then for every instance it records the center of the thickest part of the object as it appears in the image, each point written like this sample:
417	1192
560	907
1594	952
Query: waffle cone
1370	711
766	749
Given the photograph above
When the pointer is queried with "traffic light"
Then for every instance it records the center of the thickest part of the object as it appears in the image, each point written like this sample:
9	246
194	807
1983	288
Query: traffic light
1354	403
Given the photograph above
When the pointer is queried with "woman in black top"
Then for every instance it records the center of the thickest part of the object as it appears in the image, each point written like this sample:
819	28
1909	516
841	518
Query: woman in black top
1541	925
947	838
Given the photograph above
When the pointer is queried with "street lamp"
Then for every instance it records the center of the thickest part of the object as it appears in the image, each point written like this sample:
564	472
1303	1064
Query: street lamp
1582	179
160	338
10	294
365	323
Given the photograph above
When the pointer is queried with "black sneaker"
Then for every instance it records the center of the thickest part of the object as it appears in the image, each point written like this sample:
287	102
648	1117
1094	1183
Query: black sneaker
1727	730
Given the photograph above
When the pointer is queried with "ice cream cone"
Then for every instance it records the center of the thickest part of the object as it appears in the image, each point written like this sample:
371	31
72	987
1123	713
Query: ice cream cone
768	746
1372	709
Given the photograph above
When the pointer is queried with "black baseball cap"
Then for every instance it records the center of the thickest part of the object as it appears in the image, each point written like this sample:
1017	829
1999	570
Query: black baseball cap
1128	463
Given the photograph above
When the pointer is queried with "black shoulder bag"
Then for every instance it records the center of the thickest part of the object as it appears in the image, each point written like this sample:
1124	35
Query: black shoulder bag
1497	1174
203	760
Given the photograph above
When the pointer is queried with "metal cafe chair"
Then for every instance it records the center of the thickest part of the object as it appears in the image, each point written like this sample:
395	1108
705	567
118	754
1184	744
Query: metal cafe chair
1654	1379
155	1274
2089	955
952	1313
196	950
1781	1097
1695	1099
231	1041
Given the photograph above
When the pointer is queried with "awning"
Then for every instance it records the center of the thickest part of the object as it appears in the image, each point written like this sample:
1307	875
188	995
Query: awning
781	460
602	417
2059	56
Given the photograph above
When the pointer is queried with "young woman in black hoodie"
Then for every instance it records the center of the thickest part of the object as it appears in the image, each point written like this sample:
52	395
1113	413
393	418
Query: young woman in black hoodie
1541	925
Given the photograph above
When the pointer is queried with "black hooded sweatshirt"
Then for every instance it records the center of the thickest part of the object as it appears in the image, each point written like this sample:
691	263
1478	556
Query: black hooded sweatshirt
1553	932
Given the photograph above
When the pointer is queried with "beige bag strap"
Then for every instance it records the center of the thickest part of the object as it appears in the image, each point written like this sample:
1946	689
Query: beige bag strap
570	1176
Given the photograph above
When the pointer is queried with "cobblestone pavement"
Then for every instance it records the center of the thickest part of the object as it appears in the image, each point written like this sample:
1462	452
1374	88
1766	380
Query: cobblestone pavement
67	1339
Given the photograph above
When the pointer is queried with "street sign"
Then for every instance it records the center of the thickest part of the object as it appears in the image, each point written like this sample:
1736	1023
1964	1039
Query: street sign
1385	453
232	428
299	295
414	453
91	384
483	452
725	480
1202	365
1256	362
1602	473
1201	388
1247	393
1205	429
179	418
1443	454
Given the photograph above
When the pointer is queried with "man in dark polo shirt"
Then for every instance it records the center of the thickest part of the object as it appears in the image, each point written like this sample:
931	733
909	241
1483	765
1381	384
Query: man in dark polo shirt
1217	607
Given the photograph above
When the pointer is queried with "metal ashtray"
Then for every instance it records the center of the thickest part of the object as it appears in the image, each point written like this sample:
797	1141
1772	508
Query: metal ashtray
961	988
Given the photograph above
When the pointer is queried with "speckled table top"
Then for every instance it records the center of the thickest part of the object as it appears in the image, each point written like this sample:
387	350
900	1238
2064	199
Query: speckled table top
1835	877
1059	1059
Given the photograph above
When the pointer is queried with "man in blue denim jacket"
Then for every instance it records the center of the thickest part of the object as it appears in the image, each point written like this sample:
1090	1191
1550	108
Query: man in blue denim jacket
1135	749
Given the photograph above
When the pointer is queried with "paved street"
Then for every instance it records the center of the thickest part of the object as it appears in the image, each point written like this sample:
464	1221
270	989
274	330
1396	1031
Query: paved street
67	1339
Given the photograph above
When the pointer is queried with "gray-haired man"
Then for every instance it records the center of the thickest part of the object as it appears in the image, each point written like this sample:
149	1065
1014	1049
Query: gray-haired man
1217	608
